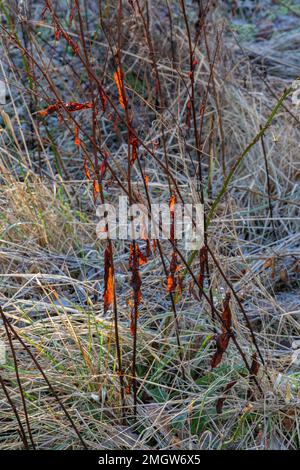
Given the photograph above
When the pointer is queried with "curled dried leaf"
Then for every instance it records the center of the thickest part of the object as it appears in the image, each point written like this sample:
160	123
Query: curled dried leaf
86	169
202	262
96	190
226	314
254	365
222	341
221	400
254	369
50	110
172	282
133	140
71	107
57	34
142	259
172	203
118	77
108	295
77	137
74	106
103	98
103	166
136	284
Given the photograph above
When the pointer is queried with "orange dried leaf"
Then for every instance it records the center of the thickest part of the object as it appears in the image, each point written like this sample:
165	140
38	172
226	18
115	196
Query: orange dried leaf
86	170
109	290
51	109
170	283
172	202
43	112
96	190
108	295
71	107
118	77
74	106
77	138
142	259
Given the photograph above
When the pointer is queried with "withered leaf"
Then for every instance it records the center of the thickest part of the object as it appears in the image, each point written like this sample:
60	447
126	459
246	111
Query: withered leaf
222	342
118	77
254	365
226	315
108	295
221	400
